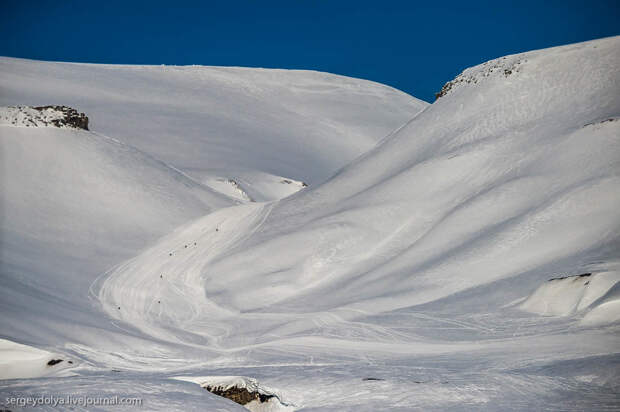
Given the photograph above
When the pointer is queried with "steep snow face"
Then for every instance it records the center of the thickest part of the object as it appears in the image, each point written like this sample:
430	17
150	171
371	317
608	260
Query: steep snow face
510	175
302	125
503	181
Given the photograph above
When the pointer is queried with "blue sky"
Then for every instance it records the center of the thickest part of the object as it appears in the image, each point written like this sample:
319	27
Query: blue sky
413	46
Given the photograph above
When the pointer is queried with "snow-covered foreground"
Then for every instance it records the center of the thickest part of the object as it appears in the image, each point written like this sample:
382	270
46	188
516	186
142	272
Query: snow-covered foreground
438	271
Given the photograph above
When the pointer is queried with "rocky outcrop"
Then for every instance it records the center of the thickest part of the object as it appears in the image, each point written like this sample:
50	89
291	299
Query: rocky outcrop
504	66
43	116
239	395
71	117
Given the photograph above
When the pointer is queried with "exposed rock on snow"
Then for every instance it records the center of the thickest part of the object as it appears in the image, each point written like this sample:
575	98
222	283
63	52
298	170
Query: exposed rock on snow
43	116
503	66
244	391
53	362
238	395
599	122
290	181
583	275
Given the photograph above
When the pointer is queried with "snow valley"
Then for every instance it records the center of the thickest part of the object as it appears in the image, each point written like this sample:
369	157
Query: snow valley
295	240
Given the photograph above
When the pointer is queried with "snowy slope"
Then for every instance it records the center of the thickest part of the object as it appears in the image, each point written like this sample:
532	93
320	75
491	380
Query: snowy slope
481	183
75	203
410	280
298	124
477	188
509	179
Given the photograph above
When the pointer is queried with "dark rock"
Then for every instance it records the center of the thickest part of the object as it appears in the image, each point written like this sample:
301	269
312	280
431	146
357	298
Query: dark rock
611	119
239	395
54	362
583	275
445	89
72	118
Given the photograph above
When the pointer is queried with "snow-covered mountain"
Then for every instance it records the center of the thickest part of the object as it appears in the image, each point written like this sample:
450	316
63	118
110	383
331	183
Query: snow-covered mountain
469	260
209	121
74	203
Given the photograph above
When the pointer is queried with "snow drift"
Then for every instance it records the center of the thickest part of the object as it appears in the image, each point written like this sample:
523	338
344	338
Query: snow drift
568	295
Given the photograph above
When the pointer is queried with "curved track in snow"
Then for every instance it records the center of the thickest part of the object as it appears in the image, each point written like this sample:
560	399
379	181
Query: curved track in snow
161	292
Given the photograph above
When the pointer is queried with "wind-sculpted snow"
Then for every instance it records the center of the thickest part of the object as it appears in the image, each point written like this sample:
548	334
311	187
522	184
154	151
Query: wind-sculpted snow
567	295
482	186
423	248
415	278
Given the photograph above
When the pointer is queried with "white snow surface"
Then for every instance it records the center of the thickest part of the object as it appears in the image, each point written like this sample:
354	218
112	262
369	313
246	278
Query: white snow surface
568	295
299	124
399	283
22	361
254	186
